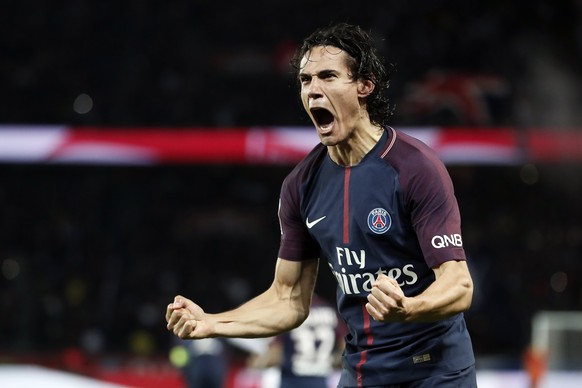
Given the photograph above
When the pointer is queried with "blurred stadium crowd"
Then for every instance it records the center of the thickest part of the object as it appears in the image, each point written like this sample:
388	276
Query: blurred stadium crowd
208	63
90	256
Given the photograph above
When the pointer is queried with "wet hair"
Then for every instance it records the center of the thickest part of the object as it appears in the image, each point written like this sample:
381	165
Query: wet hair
363	63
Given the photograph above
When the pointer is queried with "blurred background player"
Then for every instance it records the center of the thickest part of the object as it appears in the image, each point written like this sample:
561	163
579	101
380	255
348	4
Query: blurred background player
308	355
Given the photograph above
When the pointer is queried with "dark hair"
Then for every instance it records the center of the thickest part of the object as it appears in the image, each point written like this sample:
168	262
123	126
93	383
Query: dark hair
364	63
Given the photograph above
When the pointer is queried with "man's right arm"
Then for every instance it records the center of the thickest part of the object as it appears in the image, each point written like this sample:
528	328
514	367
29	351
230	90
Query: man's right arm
282	307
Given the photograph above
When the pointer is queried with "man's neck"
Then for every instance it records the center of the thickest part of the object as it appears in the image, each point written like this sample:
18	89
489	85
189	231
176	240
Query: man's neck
352	151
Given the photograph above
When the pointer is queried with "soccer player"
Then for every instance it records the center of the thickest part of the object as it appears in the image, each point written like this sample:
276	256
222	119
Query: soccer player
379	207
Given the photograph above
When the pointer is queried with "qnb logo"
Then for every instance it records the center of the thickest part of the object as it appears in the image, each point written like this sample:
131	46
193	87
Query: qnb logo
447	240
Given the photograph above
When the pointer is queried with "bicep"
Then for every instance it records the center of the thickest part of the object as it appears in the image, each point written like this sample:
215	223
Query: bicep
295	281
454	272
455	268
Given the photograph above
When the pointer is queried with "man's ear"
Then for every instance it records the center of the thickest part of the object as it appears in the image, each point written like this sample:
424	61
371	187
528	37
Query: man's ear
365	88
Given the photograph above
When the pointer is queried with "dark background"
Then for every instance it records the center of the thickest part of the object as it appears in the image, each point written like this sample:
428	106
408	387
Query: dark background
91	255
216	63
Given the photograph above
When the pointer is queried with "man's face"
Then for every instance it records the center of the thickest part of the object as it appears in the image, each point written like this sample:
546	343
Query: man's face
329	94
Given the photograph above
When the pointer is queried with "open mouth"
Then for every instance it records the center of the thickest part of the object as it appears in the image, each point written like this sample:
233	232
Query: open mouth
322	117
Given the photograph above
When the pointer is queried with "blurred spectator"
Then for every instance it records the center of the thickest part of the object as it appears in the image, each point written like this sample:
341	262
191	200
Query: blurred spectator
456	99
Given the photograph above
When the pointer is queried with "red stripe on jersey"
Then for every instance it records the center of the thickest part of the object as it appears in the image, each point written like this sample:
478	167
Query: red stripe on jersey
347	205
359	368
369	342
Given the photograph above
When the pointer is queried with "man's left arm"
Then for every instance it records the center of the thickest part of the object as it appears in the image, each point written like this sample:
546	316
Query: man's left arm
451	293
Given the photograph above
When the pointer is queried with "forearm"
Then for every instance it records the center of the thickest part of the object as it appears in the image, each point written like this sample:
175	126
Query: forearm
284	306
263	316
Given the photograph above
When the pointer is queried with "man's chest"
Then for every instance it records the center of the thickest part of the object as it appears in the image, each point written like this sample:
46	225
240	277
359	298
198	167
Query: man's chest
354	206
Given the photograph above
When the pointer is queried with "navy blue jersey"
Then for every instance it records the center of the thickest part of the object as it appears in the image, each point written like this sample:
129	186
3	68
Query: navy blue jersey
393	213
308	350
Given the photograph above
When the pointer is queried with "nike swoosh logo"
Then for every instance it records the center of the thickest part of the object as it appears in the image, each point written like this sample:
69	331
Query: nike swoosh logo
312	223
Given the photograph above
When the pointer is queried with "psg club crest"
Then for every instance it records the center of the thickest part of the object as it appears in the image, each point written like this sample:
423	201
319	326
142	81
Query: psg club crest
379	220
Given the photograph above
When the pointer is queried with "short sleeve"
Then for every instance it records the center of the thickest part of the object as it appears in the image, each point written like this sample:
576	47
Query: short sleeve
434	211
296	242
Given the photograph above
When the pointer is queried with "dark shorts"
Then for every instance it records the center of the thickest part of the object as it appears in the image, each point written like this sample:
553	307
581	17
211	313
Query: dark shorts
465	378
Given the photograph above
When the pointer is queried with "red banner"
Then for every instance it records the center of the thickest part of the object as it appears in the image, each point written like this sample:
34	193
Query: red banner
266	145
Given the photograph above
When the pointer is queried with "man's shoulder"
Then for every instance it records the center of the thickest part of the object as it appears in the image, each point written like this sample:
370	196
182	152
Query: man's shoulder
409	153
405	144
308	164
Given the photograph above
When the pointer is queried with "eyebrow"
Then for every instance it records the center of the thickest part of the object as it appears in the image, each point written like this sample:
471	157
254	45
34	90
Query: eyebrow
318	74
